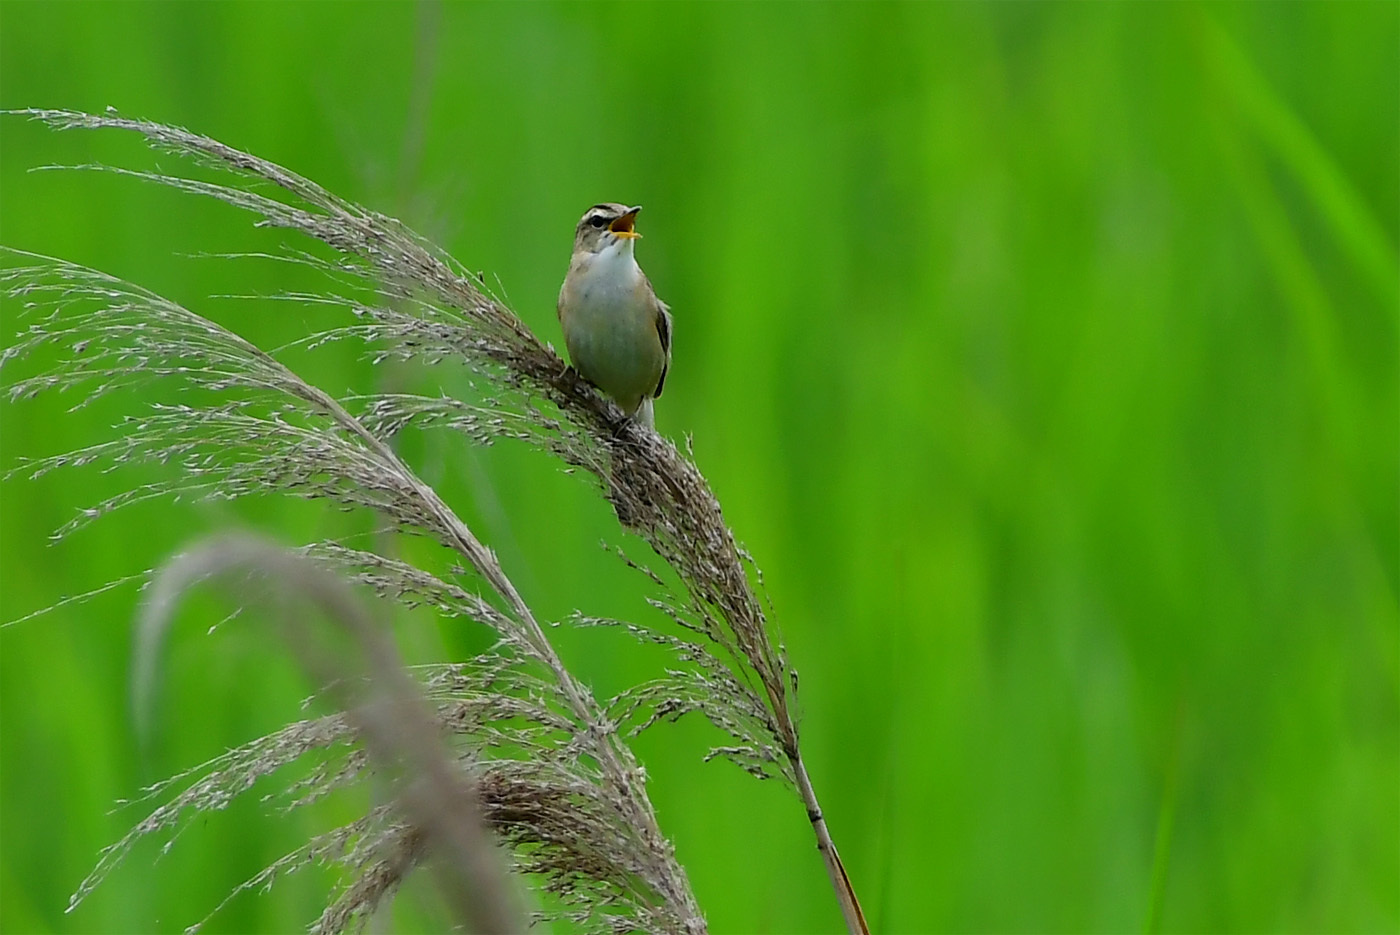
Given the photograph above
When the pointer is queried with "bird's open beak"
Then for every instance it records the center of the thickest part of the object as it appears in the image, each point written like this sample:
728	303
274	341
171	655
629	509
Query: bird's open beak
625	226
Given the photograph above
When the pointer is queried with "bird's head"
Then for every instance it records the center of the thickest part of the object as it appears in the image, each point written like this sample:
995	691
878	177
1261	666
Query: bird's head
604	225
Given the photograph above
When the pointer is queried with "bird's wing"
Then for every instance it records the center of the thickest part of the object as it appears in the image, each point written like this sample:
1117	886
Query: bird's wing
663	331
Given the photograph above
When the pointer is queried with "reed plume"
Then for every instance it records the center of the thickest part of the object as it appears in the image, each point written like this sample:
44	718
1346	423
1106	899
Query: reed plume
555	777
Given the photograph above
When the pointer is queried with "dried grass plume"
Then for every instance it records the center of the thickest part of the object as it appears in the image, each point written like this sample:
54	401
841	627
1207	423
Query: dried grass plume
553	773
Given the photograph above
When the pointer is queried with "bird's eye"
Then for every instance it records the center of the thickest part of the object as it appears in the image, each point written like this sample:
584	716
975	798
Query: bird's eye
598	221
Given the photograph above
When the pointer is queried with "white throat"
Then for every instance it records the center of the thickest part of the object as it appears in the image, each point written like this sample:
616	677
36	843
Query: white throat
620	252
614	266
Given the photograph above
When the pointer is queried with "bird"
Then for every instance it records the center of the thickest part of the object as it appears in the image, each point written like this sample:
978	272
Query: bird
617	331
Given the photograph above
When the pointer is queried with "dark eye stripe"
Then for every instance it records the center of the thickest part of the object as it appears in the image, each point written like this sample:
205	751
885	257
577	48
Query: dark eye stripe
599	220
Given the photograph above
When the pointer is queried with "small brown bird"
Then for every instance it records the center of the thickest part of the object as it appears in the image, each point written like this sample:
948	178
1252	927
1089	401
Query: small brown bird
617	331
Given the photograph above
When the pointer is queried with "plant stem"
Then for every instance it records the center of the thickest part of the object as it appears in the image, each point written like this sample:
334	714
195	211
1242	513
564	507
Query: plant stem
845	892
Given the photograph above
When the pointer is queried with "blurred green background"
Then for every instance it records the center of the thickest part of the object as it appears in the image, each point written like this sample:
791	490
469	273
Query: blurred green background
1045	357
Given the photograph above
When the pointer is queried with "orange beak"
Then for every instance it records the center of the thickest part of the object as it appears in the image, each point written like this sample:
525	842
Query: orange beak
625	226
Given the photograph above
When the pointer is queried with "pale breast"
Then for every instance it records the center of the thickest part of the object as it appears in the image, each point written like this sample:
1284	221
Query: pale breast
608	315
